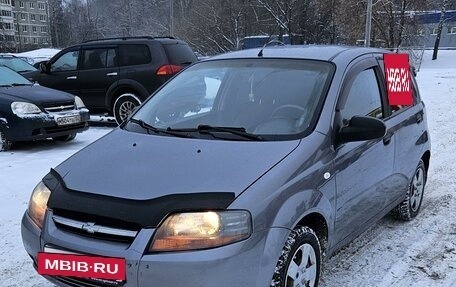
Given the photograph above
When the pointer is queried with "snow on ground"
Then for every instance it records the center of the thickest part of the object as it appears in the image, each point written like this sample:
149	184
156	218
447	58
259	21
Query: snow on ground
418	253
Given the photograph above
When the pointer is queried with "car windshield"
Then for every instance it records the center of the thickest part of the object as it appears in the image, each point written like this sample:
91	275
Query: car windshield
16	64
269	97
9	77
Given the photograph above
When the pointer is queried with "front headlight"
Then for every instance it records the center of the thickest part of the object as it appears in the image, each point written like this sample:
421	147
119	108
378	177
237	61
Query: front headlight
78	102
38	203
201	230
23	108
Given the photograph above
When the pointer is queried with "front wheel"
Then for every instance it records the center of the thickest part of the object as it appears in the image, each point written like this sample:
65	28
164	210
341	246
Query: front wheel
300	260
124	106
409	208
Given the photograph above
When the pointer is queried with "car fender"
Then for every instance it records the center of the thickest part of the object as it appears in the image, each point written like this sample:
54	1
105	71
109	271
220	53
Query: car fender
142	93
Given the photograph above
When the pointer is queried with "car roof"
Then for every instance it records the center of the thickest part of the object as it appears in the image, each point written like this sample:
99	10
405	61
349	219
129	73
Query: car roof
313	52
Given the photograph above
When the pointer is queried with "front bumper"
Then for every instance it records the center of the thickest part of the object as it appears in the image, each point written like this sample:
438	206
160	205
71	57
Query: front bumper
44	125
247	263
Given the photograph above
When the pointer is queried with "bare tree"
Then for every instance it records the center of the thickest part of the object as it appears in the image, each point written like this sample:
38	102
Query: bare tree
439	29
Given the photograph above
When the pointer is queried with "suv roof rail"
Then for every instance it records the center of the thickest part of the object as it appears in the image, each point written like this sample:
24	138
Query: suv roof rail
130	37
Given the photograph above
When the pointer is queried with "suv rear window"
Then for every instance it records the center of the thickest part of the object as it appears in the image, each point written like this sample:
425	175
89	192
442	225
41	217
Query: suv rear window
179	54
134	55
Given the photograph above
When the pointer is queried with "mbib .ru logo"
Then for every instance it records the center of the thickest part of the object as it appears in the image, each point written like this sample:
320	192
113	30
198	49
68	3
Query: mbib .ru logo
81	266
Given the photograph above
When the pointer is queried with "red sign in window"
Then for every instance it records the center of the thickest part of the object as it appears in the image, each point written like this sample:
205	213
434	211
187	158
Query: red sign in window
398	79
81	266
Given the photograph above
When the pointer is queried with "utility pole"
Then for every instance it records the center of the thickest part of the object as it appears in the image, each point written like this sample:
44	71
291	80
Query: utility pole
367	34
171	18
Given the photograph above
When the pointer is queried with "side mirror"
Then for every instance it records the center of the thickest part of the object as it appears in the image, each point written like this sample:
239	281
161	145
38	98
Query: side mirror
44	68
361	129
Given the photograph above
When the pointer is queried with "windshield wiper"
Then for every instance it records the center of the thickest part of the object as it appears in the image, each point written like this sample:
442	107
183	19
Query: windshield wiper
149	127
239	131
19	84
207	129
5	86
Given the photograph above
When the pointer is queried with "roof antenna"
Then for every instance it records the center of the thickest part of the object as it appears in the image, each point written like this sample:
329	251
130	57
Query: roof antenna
277	42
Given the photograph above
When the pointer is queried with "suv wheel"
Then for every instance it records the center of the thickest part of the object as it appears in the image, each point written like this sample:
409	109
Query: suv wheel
409	208
300	259
124	106
5	144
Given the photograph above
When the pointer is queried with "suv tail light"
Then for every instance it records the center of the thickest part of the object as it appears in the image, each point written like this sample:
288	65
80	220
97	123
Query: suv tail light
167	70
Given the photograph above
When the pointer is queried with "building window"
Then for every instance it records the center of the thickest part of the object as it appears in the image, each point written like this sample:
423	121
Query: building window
32	17
6	13
43	29
42	18
21	4
41	6
434	31
23	16
34	29
25	40
24	28
13	4
6	26
35	41
452	30
32	5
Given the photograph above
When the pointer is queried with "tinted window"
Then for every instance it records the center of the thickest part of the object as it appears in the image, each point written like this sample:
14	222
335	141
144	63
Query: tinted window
94	59
66	62
134	55
179	54
364	98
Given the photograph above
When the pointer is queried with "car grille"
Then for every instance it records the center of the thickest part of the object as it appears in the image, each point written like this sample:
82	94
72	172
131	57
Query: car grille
58	129
95	227
81	282
59	108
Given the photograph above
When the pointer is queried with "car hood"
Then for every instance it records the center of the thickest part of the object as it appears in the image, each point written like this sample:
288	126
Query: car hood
141	167
36	94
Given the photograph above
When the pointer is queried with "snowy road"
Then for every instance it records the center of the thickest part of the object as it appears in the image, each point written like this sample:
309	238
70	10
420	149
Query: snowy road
417	253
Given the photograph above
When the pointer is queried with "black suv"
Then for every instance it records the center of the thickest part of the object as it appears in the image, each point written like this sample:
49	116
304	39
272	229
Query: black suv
115	74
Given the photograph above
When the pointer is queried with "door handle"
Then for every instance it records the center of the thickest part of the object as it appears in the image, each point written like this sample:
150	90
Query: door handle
387	138
113	74
419	118
72	78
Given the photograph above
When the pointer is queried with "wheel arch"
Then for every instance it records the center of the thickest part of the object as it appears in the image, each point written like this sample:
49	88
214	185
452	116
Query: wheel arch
319	225
426	159
125	86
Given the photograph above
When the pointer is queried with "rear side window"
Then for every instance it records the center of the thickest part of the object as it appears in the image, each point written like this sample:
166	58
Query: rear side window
179	54
134	55
98	58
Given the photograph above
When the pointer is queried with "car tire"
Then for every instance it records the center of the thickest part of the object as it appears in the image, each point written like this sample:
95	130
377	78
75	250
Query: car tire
300	260
410	206
124	106
65	138
5	143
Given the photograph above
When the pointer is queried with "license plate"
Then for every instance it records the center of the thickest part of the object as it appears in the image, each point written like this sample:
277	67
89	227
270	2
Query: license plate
91	267
68	120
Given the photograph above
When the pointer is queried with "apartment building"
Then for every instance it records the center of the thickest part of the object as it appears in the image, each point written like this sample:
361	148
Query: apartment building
24	24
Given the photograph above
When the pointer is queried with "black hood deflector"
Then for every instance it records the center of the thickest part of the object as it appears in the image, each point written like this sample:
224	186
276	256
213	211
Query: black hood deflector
144	213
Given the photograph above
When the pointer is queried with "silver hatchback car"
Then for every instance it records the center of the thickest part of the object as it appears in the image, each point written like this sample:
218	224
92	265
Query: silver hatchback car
246	169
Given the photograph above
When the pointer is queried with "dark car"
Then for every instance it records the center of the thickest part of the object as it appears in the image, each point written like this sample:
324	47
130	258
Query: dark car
247	169
115	75
16	64
30	112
